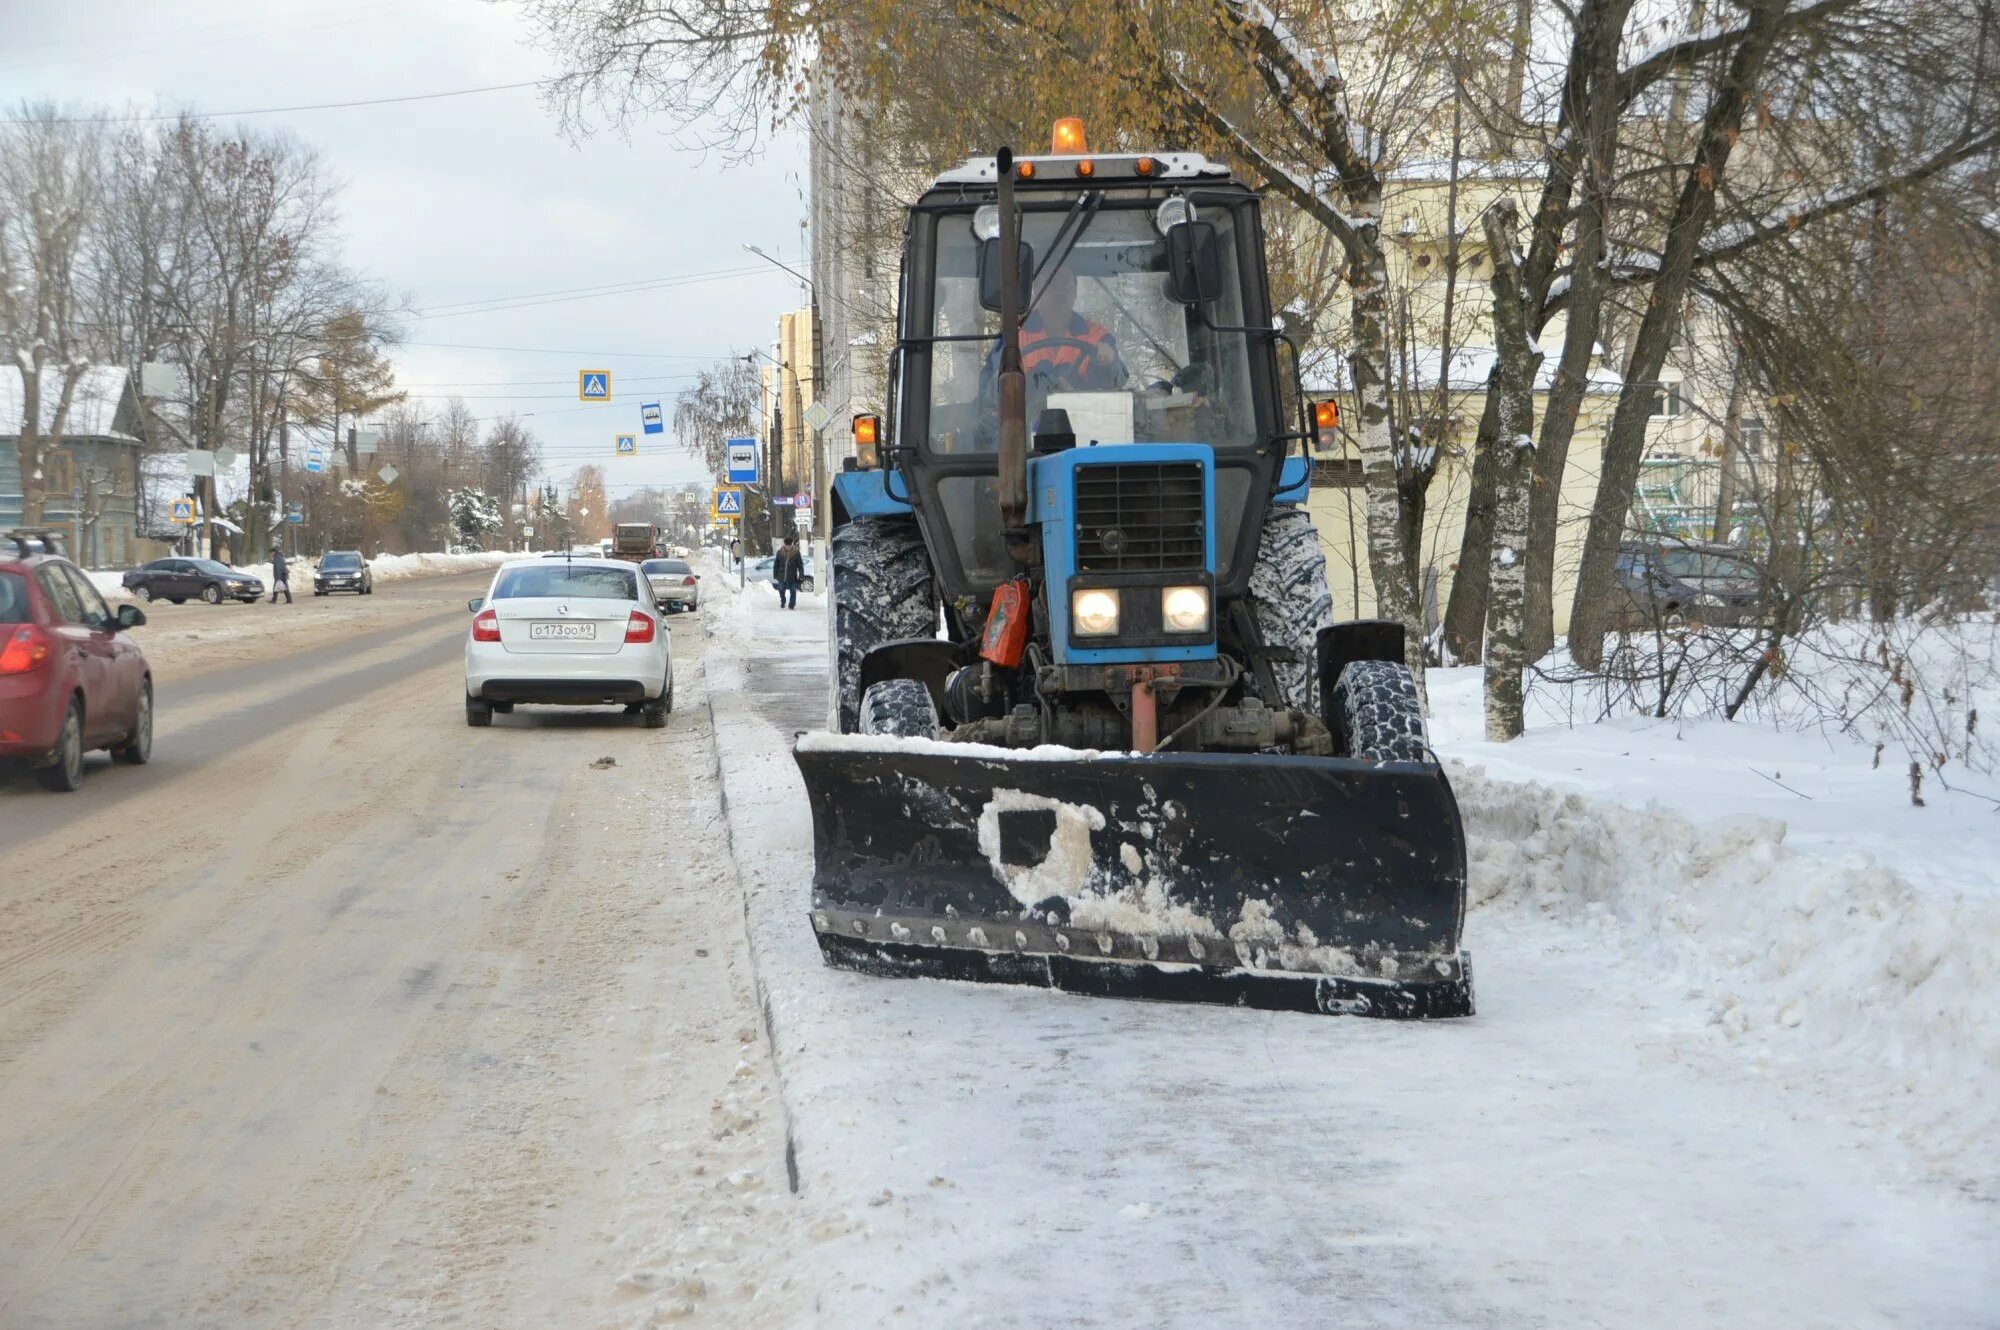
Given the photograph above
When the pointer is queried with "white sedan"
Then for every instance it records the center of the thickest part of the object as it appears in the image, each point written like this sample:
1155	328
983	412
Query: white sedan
585	631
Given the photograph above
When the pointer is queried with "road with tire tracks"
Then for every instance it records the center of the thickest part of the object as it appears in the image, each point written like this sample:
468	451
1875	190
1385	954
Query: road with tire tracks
341	1012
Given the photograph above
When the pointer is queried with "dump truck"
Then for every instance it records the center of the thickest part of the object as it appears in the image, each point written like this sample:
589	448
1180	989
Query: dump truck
635	542
1092	726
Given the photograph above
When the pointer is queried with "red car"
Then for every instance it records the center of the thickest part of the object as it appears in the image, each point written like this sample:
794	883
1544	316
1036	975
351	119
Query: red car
70	678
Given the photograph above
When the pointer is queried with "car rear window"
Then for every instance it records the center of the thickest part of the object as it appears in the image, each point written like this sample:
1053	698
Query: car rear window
567	580
665	566
14	606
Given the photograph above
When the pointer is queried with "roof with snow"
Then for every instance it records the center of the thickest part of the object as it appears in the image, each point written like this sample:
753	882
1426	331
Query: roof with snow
100	408
1471	366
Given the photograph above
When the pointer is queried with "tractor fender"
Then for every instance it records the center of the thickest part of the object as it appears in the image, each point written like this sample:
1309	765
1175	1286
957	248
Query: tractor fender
1341	644
928	660
865	494
1294	481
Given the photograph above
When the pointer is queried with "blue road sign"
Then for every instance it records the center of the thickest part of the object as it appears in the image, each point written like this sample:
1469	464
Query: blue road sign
728	503
627	445
181	511
295	518
650	418
593	385
743	461
314	462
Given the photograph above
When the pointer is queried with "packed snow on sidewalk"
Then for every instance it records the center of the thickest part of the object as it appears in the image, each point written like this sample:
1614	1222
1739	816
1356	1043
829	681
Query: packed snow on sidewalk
1726	1071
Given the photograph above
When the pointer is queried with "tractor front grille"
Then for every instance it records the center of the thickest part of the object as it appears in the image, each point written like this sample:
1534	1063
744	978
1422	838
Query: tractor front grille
1140	517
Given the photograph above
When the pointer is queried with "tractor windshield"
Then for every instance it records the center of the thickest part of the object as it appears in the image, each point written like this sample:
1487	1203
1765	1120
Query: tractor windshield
1105	340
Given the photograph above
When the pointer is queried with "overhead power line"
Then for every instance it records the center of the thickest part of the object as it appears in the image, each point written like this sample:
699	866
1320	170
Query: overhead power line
280	110
502	304
566	351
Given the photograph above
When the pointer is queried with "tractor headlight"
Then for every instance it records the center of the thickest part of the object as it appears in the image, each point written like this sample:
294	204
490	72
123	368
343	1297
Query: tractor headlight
986	222
1094	612
1184	609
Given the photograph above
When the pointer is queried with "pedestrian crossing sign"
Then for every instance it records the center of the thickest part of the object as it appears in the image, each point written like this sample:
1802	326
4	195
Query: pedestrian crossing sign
593	385
728	501
628	444
182	511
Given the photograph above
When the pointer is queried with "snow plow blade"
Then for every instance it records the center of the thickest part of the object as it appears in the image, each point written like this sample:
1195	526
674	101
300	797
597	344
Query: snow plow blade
1308	884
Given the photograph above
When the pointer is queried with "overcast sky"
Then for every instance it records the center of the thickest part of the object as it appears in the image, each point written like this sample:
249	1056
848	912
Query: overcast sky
466	199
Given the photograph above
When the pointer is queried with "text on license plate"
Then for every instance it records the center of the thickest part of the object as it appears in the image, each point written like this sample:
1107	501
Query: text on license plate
542	632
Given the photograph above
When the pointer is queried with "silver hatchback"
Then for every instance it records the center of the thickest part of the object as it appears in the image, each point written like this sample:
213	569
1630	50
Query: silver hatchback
676	585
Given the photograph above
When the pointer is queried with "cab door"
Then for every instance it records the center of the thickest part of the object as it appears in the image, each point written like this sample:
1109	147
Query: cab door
89	658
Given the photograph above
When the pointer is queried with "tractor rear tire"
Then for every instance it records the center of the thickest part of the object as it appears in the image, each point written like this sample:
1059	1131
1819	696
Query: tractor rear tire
1290	601
899	709
883	591
1379	715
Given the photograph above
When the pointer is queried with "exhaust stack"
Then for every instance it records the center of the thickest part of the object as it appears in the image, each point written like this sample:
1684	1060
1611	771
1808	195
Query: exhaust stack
1013	384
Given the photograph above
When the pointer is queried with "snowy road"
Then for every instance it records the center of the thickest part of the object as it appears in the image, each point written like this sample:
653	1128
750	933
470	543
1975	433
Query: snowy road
344	1014
1590	1150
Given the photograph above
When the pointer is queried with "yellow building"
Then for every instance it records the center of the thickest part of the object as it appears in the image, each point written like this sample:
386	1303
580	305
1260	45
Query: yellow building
788	389
1418	205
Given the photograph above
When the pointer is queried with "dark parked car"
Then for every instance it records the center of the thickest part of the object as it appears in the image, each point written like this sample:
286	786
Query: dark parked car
180	580
70	678
343	570
1671	583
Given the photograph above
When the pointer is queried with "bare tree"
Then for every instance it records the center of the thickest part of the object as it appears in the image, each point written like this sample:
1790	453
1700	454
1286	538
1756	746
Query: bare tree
50	188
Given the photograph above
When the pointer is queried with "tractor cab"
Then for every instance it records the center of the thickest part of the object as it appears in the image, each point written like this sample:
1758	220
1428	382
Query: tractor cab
1147	322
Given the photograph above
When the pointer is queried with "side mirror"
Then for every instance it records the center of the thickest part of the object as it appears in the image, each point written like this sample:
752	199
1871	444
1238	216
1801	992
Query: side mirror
130	616
1194	270
475	603
989	274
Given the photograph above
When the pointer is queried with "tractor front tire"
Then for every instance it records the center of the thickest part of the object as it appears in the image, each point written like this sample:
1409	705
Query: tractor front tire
1290	601
900	709
1380	718
883	591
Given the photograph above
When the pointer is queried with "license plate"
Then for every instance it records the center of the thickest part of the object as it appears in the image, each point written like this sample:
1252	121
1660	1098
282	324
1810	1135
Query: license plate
544	632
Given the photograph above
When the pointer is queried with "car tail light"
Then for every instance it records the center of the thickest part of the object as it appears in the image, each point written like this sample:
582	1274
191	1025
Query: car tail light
486	627
639	628
26	647
689	581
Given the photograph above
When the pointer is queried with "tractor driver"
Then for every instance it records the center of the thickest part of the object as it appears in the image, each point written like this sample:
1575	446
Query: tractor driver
1062	350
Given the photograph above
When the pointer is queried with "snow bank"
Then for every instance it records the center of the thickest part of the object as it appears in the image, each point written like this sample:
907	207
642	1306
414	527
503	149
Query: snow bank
398	567
1824	967
386	568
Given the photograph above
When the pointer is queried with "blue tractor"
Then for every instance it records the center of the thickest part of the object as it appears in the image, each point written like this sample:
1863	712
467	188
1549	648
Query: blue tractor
1092	725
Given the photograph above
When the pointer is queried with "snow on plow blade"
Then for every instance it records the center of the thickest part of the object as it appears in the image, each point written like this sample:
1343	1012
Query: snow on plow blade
1290	883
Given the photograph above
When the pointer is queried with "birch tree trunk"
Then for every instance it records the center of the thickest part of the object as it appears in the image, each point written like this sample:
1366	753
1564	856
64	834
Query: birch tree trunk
1625	442
1513	394
1395	579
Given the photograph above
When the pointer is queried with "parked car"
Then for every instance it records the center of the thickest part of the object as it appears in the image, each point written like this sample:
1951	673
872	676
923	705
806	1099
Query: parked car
760	570
71	680
676	585
1669	583
181	580
585	632
343	570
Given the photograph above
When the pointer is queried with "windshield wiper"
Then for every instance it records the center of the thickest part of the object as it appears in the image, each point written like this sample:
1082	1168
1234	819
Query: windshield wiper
1079	216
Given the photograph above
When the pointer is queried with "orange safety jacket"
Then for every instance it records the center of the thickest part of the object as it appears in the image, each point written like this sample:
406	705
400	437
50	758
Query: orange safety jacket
1034	356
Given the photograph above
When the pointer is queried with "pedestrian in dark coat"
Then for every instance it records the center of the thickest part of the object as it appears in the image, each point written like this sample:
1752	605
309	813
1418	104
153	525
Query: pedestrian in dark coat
787	571
279	579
